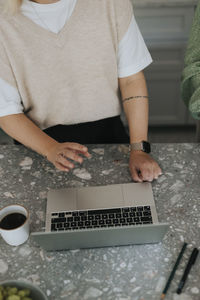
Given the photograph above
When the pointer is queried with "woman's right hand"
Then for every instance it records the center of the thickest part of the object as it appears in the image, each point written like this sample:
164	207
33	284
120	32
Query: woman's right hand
61	155
21	128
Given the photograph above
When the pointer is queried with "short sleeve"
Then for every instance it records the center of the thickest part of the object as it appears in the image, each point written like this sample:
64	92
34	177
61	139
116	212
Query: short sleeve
10	101
6	72
133	55
124	13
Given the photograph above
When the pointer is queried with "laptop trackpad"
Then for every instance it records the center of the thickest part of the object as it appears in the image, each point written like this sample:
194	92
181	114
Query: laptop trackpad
99	197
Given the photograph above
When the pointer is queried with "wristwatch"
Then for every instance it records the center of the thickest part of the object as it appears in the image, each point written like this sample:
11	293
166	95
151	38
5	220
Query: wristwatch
143	146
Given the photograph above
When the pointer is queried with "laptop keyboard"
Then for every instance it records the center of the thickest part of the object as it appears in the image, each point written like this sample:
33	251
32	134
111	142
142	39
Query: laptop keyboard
101	218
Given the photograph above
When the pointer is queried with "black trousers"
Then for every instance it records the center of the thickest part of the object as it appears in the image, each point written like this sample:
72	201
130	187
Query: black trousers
105	131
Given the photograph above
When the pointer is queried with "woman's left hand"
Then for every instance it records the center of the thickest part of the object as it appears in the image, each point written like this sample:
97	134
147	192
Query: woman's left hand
143	167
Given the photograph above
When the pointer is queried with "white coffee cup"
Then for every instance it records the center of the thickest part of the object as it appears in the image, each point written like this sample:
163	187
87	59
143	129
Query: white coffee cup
18	235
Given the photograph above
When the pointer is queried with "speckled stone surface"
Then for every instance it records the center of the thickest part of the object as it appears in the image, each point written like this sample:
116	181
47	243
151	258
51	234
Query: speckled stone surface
132	272
163	3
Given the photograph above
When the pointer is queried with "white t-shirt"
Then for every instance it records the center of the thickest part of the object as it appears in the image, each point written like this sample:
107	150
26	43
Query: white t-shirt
133	55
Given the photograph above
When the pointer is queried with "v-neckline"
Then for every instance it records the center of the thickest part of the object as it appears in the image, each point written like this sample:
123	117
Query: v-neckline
41	30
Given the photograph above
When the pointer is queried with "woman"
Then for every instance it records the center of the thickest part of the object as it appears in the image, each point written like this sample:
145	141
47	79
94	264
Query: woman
62	65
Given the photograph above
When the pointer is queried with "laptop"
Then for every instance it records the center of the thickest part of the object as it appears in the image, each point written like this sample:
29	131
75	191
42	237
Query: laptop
100	216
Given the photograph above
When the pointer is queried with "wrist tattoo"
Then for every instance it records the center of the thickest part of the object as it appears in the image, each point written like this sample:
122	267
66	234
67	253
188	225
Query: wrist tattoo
135	97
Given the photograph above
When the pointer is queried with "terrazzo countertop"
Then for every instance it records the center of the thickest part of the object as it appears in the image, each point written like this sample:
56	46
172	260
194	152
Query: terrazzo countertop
137	272
163	3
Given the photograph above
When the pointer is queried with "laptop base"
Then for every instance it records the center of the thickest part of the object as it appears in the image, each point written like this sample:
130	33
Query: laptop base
103	237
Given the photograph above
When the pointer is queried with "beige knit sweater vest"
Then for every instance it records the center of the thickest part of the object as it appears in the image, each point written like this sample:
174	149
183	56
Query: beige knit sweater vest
70	77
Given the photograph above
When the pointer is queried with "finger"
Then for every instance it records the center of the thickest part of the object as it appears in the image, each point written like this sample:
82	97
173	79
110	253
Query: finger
157	172
76	146
72	155
147	174
64	162
87	154
155	175
61	167
135	175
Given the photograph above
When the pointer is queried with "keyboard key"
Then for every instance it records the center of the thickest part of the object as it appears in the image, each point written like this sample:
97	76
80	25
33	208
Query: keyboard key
60	229
108	221
139	214
137	219
118	216
59	225
87	223
104	217
83	218
73	224
147	213
90	218
80	224
61	215
115	221
133	209
129	220
122	221
101	222
146	219
58	220
66	225
54	214
126	209
77	218
94	222
111	216
140	208
147	208
70	219
97	217
68	213
82	213
125	215
132	214
53	227
75	214
104	211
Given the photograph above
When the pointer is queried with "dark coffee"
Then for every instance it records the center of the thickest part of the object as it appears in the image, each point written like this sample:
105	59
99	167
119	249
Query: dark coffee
12	221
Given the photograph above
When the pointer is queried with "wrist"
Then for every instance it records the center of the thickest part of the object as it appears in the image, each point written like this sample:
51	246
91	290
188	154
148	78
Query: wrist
137	153
49	148
143	146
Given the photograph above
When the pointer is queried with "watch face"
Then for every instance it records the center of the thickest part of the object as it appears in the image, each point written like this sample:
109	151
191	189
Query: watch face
146	147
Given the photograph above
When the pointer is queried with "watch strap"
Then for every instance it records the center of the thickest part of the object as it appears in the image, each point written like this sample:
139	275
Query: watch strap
136	146
141	146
